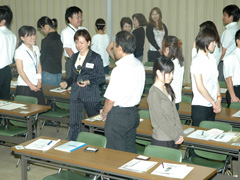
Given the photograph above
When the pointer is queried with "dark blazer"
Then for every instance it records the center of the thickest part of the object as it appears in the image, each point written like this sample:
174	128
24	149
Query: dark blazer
92	70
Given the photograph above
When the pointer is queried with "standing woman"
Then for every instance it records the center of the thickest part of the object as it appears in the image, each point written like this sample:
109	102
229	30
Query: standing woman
167	128
156	31
204	74
172	48
100	43
51	52
87	73
126	25
139	21
218	48
28	65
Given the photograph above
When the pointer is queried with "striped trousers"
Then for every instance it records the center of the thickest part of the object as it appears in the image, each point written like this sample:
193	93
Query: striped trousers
76	116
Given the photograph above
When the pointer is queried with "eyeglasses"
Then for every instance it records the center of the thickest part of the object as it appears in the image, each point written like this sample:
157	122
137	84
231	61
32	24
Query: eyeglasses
77	17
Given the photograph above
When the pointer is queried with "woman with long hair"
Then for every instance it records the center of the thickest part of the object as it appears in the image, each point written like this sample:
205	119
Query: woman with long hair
167	128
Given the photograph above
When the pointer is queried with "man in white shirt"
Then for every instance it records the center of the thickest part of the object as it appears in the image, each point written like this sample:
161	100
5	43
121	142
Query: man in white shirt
231	70
73	16
7	48
231	14
122	95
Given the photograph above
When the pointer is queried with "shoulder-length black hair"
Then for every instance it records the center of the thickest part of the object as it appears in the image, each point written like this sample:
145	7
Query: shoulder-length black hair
204	38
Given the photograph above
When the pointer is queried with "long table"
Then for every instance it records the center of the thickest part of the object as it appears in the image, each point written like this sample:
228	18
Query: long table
104	162
144	131
185	112
28	113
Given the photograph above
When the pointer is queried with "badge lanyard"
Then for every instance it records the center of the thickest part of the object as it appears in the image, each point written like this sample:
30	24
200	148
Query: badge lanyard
72	28
35	57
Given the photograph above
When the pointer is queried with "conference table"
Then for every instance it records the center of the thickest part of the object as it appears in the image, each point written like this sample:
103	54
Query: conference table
187	89
104	162
185	113
144	131
29	113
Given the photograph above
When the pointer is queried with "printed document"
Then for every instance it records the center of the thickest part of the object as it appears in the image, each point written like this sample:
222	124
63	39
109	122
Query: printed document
137	165
42	144
172	170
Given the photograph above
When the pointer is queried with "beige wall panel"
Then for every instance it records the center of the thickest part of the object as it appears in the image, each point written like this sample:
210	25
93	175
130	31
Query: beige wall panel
182	17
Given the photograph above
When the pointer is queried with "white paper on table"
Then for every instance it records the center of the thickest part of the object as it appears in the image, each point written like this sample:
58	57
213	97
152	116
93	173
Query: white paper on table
148	68
187	87
42	144
214	131
172	170
137	165
200	134
58	90
11	106
223	90
224	137
237	114
3	103
14	83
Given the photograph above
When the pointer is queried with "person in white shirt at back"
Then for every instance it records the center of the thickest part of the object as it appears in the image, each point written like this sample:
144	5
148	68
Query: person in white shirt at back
231	15
7	48
100	43
73	16
172	49
231	70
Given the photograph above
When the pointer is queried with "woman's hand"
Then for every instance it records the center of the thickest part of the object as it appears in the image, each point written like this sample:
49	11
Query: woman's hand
180	140
160	51
33	88
83	83
217	106
63	85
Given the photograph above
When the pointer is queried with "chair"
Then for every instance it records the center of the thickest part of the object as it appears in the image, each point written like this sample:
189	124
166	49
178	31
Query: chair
209	159
235	105
163	153
148	64
62	110
89	139
186	98
222	84
17	126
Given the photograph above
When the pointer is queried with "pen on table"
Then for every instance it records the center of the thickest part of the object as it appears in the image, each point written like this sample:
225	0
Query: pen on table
49	143
202	133
162	165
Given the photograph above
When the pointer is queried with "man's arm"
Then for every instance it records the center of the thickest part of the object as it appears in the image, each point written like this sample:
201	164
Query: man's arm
223	54
229	82
107	107
69	52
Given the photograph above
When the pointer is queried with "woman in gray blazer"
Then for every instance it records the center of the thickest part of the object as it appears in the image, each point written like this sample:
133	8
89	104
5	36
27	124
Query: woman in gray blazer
167	128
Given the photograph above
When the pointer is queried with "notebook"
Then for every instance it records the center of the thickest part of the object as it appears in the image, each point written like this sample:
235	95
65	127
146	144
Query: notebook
70	146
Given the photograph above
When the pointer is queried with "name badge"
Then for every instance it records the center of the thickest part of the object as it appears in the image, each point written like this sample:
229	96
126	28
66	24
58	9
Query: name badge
89	65
38	76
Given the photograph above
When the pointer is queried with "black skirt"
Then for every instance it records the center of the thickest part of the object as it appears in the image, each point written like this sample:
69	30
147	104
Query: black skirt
26	91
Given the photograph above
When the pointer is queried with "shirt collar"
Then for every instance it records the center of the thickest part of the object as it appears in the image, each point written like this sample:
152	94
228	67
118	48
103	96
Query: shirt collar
124	59
26	48
231	25
3	27
71	26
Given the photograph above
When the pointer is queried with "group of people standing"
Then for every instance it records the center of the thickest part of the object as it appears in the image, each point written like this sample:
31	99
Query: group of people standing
87	62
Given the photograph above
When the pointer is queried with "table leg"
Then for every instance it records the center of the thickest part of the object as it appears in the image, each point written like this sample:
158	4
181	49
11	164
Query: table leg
29	127
24	167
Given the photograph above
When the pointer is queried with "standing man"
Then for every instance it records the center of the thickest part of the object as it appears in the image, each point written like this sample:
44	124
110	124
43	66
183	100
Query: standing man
7	48
231	15
73	16
231	69
123	94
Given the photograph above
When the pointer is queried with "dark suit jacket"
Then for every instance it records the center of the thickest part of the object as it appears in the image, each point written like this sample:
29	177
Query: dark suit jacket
92	70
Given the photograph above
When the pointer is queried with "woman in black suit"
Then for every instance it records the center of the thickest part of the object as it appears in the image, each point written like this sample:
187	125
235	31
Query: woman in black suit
87	73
